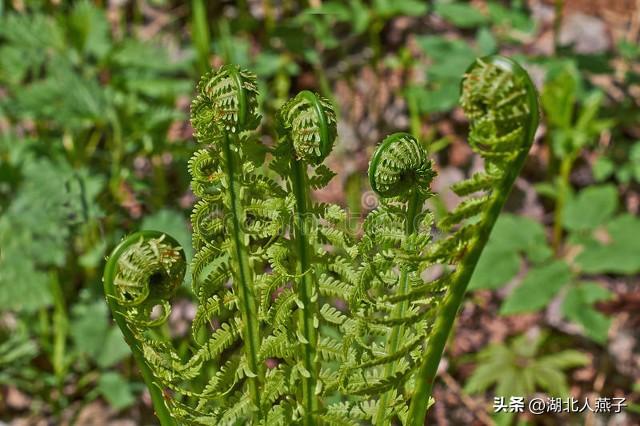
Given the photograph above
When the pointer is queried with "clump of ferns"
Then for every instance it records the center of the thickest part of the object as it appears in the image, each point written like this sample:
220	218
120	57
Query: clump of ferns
409	285
269	261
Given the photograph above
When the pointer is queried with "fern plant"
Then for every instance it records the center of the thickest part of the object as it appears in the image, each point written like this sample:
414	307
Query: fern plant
269	344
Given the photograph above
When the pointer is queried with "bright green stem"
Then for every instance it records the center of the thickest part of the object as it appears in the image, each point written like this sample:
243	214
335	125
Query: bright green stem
561	200
307	293
159	406
452	301
243	276
60	328
413	209
200	33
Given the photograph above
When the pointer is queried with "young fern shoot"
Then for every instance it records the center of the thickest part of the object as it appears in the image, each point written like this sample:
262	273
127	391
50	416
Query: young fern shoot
306	324
502	105
307	126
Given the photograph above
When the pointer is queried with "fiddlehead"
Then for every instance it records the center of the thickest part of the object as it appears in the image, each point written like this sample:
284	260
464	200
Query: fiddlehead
227	103
501	103
400	166
310	122
400	173
265	291
143	272
307	129
225	107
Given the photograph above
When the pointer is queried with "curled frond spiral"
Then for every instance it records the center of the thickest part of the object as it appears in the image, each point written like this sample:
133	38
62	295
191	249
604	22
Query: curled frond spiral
148	270
399	166
273	269
144	271
227	101
310	121
499	105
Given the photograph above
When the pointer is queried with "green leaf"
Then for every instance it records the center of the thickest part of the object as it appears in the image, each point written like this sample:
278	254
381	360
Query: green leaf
116	390
634	157
496	267
565	359
602	168
448	58
578	307
513	17
592	207
134	54
89	327
117	349
487	44
461	15
390	8
517	370
618	256
559	95
89	29
537	289
500	260
34	230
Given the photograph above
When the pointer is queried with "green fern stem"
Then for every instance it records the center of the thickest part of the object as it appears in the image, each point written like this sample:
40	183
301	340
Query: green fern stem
413	210
110	272
308	128
400	168
307	291
455	295
243	275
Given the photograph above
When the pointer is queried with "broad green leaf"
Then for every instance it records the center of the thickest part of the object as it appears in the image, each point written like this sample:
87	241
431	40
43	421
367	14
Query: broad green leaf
559	96
442	96
89	327
461	15
620	254
448	58
550	379
34	231
512	17
117	348
537	289
500	261
496	267
139	55
578	307
390	8
592	207
116	390
487	44
602	168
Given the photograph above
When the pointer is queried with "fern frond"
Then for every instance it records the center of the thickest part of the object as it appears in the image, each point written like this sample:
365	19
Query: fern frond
464	210
310	122
399	165
477	182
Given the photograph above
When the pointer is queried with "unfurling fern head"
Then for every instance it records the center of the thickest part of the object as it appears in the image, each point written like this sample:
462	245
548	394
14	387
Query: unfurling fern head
227	101
399	166
500	101
310	121
144	270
